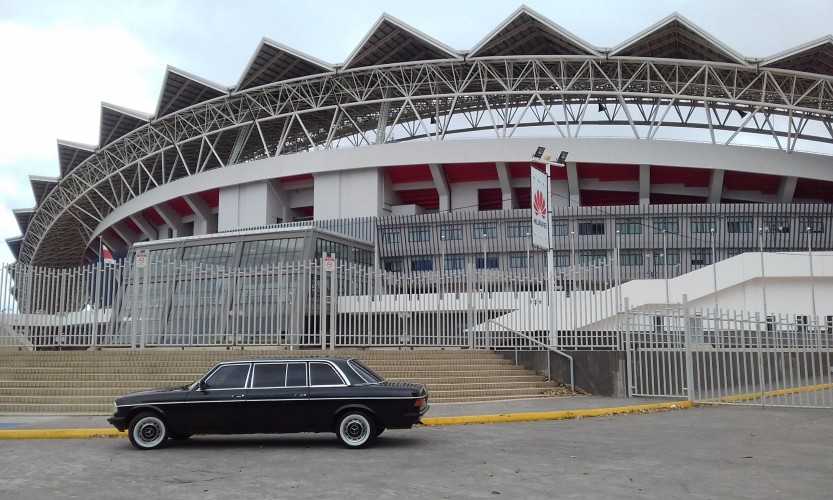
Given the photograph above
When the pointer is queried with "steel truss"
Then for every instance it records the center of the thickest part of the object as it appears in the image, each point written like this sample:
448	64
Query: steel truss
430	101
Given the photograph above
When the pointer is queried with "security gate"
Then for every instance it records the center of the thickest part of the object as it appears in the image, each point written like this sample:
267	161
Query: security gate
729	357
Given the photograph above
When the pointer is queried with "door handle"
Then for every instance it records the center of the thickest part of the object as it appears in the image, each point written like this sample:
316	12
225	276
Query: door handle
299	395
237	395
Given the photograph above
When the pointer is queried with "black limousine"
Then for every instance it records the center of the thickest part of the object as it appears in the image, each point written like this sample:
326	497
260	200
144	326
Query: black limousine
315	394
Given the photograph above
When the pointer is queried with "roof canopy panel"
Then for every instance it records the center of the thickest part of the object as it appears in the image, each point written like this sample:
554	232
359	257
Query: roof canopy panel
23	217
71	154
14	245
117	122
41	187
392	41
814	57
528	33
273	62
181	90
675	37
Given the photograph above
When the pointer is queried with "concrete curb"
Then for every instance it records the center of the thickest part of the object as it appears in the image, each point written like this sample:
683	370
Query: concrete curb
59	433
551	415
429	421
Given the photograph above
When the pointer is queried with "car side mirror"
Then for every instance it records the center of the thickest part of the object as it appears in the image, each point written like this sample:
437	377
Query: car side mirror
202	386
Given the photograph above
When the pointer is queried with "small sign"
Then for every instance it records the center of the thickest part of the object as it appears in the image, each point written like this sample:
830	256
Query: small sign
329	264
142	259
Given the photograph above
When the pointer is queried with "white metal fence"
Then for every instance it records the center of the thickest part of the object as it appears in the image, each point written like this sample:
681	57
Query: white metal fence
729	357
303	305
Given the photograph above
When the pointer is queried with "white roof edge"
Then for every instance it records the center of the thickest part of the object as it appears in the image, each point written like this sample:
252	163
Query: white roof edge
208	83
523	9
785	54
127	111
14	239
43	178
740	59
24	210
76	145
413	31
297	53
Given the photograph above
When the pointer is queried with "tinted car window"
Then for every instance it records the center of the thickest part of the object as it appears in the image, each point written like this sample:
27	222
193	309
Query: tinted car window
296	375
323	374
269	375
228	377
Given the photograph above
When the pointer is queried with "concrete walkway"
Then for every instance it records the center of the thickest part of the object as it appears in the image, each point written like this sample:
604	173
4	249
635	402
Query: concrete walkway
551	408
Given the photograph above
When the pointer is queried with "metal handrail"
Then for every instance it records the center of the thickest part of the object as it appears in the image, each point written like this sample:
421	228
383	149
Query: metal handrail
547	347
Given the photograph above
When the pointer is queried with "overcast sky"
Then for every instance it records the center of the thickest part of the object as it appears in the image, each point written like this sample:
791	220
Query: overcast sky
61	59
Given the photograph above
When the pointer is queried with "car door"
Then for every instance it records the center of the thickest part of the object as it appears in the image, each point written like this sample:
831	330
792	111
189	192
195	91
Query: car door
278	397
217	404
328	392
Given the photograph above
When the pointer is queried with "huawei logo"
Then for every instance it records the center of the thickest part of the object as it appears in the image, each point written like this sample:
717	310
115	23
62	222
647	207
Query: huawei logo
539	205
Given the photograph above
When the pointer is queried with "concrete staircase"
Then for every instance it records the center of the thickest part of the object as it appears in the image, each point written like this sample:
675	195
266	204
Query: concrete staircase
82	382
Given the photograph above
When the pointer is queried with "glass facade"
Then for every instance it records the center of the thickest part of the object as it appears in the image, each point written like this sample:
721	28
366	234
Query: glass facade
455	262
219	255
591	227
487	231
419	234
270	252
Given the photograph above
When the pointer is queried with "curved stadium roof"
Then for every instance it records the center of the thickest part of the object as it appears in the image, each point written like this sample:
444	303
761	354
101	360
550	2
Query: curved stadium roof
400	85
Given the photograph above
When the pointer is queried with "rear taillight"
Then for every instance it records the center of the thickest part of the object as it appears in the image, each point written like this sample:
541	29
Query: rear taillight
419	403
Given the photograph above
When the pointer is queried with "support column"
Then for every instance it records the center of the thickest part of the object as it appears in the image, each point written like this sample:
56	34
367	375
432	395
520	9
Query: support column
644	184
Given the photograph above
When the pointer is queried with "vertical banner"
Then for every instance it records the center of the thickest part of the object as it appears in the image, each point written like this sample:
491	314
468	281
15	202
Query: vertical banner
539	194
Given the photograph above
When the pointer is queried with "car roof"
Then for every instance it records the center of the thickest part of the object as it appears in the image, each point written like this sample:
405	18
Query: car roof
283	359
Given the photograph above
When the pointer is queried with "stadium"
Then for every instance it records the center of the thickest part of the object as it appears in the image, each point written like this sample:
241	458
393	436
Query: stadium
414	157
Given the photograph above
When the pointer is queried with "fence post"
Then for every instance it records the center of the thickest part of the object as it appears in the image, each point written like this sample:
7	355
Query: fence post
470	303
629	355
333	299
689	357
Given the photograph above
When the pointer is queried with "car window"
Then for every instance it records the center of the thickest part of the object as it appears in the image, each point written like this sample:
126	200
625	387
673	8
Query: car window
269	375
296	375
323	374
228	377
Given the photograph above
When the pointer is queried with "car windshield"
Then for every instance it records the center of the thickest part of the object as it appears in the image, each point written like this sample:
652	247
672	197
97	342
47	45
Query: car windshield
365	372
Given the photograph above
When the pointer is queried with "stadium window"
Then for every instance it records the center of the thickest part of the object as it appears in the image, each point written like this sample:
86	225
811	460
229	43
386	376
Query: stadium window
815	224
629	226
393	265
560	227
631	258
738	225
419	234
517	260
667	224
454	262
592	257
701	256
390	235
591	227
422	263
487	231
449	233
561	258
703	224
492	261
659	258
518	229
776	225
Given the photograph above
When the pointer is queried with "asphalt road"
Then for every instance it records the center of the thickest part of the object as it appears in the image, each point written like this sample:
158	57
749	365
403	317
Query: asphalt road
707	452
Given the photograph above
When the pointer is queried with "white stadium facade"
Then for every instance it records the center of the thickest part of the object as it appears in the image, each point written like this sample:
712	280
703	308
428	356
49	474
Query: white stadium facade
414	157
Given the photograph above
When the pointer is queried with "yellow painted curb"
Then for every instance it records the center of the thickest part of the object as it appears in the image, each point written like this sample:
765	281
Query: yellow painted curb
59	433
549	415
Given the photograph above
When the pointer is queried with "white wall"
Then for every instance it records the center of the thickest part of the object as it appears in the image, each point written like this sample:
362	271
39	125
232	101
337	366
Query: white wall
348	194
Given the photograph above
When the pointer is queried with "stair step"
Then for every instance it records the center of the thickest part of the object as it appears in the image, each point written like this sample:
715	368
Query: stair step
86	382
